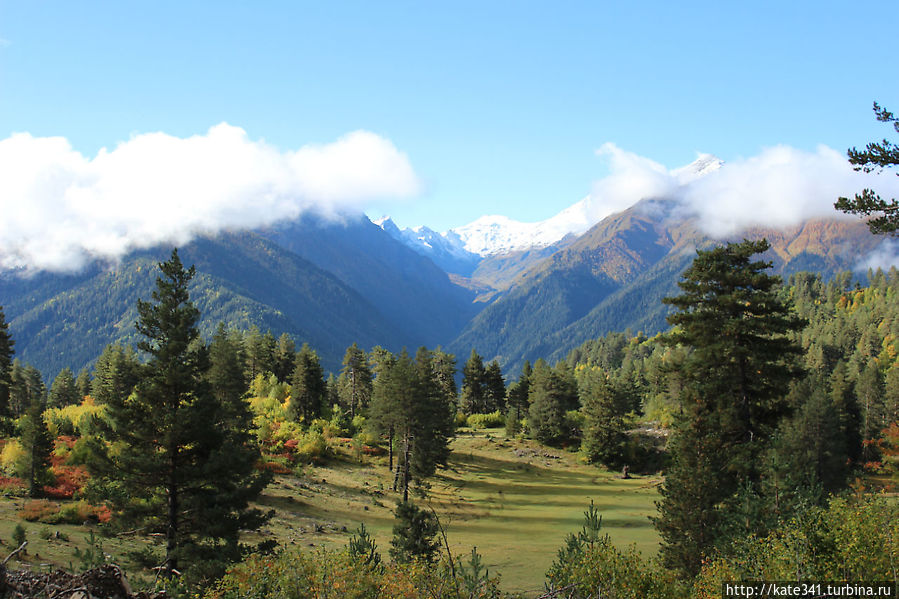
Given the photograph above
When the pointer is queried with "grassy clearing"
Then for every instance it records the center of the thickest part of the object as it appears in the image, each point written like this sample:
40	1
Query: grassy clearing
514	500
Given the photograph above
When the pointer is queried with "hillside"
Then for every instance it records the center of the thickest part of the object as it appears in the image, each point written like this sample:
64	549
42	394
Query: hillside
242	279
614	276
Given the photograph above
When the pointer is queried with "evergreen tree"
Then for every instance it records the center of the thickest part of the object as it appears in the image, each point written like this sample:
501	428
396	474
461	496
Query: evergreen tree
811	452
179	464
385	413
604	407
115	375
735	380
517	400
6	354
260	352
83	384
495	388
869	391
432	419
64	391
444	373
552	393
26	387
226	373
874	158
307	387
408	403
285	353
474	388
355	380
414	534
844	405
37	442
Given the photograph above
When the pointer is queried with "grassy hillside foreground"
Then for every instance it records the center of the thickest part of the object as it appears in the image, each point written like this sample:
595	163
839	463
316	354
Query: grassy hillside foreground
514	500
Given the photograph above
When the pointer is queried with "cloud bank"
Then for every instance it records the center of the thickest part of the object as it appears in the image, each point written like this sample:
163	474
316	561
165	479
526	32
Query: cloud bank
779	187
61	209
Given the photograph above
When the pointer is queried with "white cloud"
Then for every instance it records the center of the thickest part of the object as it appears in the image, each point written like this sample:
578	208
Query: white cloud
632	179
61	208
781	186
885	256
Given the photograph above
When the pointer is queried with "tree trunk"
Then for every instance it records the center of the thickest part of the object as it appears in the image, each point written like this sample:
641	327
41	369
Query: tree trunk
390	450
171	533
406	470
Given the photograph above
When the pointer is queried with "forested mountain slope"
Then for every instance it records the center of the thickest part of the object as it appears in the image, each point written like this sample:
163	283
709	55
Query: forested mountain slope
242	279
614	276
423	305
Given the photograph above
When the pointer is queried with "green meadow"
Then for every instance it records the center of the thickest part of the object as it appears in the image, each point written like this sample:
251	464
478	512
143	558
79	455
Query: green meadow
512	499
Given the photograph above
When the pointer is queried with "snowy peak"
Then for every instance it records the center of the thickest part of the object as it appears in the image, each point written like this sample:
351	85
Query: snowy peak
490	235
446	250
702	166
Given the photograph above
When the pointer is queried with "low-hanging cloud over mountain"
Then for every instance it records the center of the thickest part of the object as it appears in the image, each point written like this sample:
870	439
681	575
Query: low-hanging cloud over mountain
781	186
61	209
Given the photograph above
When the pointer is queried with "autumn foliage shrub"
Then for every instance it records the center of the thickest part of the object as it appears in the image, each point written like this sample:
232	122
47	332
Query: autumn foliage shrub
51	512
328	574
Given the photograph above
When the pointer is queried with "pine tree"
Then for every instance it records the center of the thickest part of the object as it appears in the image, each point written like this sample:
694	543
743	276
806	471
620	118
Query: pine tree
604	407
37	442
285	353
115	375
6	354
260	352
552	393
876	157
355	380
182	464
413	534
474	388
307	387
495	388
63	391
735	379
83	384
27	387
517	400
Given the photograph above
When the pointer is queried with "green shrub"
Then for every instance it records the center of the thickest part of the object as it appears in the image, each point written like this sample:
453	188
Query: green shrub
482	421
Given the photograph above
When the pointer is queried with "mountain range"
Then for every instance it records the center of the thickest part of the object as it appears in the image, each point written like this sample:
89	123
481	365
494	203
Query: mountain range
513	291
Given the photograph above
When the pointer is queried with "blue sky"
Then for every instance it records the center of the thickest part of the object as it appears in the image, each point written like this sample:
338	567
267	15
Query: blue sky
498	106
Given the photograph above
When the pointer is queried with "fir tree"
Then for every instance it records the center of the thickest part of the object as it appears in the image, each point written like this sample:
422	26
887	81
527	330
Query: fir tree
735	379
355	380
474	387
414	534
6	354
552	393
285	354
494	388
182	464
37	442
83	384
517	400
604	407
307	387
64	391
115	375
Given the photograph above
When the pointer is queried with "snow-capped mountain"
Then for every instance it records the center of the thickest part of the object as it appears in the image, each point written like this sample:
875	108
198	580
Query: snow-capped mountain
446	250
459	250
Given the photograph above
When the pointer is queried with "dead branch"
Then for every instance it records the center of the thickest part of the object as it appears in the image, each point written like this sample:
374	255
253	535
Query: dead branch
10	556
